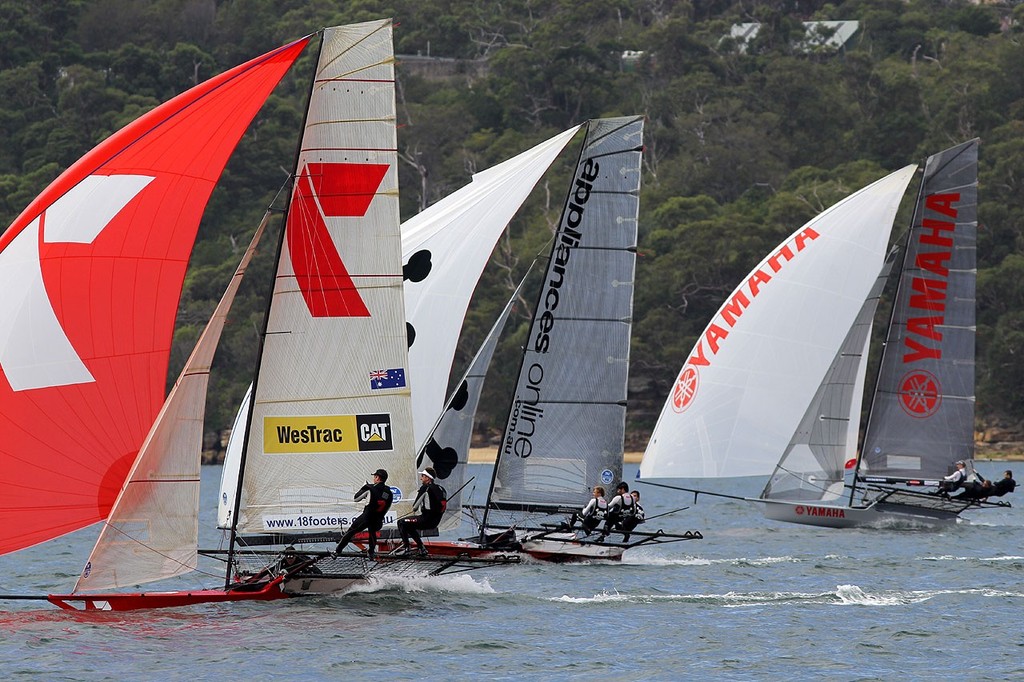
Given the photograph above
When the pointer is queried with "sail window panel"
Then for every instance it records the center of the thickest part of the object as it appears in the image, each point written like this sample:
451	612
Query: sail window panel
593	443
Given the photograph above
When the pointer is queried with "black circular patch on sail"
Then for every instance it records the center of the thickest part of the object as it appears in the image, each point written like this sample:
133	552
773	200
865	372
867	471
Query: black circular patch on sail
444	459
418	267
460	398
410	333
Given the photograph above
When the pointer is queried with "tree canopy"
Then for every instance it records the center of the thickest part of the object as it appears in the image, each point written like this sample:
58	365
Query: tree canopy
744	141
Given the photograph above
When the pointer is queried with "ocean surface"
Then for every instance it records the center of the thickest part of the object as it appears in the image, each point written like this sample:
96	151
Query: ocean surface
754	600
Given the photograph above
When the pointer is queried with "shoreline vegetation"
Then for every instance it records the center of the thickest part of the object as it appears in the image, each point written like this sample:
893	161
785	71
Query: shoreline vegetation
485	455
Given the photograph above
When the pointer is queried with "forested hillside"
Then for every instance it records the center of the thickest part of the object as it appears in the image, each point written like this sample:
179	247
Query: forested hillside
745	140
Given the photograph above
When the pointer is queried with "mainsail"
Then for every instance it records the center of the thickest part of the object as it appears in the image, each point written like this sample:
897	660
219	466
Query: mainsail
331	399
91	273
744	389
567	418
445	248
922	416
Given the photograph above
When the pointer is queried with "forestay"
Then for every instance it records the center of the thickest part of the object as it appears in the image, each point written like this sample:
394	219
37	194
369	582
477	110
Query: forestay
922	417
447	446
743	390
566	423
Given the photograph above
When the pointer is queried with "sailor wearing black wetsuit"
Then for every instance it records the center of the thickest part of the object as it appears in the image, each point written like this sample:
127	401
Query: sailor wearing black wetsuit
427	512
372	517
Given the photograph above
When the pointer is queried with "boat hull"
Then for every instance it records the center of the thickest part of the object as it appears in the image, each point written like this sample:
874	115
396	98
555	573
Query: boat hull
836	516
551	550
134	601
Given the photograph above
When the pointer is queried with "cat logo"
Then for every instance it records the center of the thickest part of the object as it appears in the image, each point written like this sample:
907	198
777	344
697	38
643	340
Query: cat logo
374	432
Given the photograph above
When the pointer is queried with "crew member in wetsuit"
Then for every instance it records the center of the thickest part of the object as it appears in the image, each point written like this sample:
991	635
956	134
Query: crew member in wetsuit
372	517
633	516
593	513
427	510
986	489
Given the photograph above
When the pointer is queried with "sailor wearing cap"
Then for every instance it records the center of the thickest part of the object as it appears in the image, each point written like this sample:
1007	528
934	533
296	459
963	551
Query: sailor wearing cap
956	479
372	517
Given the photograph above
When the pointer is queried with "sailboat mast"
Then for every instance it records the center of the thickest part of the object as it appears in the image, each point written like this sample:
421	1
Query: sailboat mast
892	316
522	358
233	533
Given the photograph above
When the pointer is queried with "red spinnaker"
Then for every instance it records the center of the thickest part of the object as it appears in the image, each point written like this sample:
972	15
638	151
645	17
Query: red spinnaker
92	272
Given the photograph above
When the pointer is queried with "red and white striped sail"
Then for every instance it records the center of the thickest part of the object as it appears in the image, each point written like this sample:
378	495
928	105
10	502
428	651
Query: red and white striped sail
91	273
331	400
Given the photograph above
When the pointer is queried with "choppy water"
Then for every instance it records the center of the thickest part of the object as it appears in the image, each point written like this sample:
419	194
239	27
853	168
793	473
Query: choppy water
755	600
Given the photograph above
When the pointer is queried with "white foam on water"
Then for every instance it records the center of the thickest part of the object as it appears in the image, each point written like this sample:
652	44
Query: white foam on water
444	584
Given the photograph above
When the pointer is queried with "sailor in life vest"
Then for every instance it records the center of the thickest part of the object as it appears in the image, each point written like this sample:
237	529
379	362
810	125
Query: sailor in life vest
593	513
956	479
428	508
619	509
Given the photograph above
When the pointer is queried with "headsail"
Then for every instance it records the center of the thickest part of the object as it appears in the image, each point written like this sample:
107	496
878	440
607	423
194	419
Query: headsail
447	446
922	417
331	400
91	272
567	419
742	393
814	465
445	248
152	531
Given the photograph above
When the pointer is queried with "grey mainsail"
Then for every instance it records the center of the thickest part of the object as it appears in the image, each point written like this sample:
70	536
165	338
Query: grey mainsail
566	422
922	416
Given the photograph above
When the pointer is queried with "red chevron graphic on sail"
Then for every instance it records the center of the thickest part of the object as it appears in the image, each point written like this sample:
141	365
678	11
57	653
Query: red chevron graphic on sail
328	190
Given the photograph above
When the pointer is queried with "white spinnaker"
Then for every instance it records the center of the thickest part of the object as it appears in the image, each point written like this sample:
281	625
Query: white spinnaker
753	371
460	232
319	426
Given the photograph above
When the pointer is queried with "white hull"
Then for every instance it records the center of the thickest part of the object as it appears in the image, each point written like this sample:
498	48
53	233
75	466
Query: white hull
554	549
309	586
838	516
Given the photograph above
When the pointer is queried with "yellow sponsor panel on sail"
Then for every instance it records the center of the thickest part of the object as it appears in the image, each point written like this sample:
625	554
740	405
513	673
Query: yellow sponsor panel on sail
333	433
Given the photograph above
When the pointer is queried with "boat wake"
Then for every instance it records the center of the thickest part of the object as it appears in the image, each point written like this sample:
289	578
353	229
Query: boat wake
655	560
843	595
948	557
445	584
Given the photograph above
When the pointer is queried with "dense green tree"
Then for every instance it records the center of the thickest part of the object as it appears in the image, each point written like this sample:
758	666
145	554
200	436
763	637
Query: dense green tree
743	143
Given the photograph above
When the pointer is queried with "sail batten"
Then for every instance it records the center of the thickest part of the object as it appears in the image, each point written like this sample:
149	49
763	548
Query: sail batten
565	427
922	417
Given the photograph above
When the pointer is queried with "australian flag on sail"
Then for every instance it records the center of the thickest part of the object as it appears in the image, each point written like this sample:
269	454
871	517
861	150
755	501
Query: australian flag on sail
387	378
